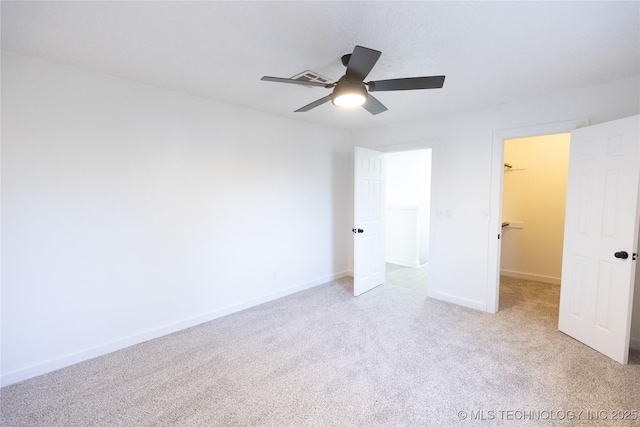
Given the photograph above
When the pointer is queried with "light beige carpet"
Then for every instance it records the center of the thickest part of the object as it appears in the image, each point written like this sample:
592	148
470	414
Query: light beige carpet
390	357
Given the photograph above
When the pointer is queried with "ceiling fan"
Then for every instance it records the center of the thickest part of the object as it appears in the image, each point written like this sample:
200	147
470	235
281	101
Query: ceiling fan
351	89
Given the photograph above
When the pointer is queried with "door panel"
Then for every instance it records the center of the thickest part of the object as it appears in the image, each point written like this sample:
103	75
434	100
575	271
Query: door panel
370	182
601	219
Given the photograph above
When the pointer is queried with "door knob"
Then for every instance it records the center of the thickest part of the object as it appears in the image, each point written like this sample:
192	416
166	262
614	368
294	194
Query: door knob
621	255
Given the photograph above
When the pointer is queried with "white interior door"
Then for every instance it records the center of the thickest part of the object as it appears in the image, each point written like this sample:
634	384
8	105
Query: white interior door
369	195
601	227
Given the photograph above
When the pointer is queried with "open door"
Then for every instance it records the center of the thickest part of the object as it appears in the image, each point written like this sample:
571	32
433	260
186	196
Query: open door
601	235
369	200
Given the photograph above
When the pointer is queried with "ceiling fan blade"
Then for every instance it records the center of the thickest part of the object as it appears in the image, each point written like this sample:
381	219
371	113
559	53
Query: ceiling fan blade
296	82
361	62
410	83
373	105
314	104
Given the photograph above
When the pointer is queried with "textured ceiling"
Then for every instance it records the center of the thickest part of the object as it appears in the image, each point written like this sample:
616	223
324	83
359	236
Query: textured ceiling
491	52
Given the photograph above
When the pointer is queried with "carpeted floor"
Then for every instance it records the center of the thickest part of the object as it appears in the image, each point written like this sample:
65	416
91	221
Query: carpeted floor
390	357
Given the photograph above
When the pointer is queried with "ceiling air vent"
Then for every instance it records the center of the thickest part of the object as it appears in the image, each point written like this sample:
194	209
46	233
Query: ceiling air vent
311	76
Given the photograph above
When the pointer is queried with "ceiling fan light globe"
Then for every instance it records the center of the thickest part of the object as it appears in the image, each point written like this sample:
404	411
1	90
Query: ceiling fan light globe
349	100
349	94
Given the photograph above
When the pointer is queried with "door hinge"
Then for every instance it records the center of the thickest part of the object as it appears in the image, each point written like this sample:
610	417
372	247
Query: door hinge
634	257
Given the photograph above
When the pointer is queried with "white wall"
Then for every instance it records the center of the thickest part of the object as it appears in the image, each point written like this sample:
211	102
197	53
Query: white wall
402	235
409	177
130	211
533	203
458	265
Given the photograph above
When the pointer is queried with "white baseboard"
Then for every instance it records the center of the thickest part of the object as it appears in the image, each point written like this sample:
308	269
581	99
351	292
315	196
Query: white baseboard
90	353
528	276
457	300
403	262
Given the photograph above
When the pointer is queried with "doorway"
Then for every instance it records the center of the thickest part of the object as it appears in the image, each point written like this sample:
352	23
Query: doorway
498	160
534	192
407	217
369	268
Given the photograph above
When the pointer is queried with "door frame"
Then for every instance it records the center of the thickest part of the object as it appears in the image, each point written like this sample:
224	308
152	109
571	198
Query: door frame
495	200
422	144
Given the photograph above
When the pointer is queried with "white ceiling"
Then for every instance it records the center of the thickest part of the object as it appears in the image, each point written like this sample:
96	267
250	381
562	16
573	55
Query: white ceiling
491	52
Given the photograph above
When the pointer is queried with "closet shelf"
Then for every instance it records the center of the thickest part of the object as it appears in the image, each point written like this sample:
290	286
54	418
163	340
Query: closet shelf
513	224
508	167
